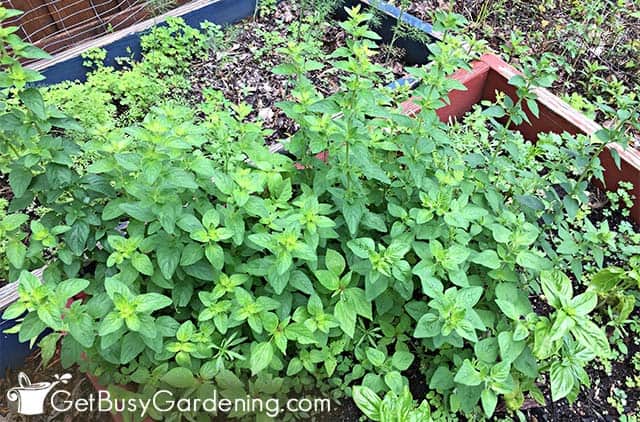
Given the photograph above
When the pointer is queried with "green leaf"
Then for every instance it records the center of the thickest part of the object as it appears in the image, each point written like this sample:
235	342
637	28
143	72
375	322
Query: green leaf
395	382
442	379
185	332
31	327
556	287
334	262
132	345
469	296
179	377
362	247
76	238
111	323
16	253
189	223
191	254
356	299
261	357
367	401
509	349
352	215
467	374
138	211
13	221
19	180
149	302
328	279
168	260
346	316
48	346
592	337
500	233
584	303
32	99
562	380
81	327
488	258
14	311
489	401
142	263
528	259
402	360
487	349
428	326
495	111
375	356
69	288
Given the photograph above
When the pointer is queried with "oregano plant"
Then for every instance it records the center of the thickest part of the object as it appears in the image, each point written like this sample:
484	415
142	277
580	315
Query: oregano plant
180	253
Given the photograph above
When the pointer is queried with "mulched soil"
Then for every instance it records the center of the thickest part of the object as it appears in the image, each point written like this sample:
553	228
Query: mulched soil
608	43
243	71
598	42
592	404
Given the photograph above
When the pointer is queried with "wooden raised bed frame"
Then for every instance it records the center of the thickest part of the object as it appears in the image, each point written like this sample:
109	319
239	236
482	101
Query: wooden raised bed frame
491	74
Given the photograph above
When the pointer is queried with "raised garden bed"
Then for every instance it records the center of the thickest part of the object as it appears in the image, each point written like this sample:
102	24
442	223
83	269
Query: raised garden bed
491	74
372	256
210	73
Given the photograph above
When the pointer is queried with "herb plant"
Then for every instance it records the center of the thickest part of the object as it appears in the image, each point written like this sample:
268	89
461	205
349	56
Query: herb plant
180	253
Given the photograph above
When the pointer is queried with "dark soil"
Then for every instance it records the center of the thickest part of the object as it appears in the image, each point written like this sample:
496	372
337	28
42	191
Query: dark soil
243	70
592	404
603	34
596	43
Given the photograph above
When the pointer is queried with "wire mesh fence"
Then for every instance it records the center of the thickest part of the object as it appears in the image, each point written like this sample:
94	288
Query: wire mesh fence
55	25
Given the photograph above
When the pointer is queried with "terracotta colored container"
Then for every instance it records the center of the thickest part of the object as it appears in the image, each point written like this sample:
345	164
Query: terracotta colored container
490	74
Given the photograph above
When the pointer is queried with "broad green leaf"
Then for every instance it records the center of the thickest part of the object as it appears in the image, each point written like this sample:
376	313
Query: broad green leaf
13	221
489	401
261	357
69	288
16	252
346	316
467	374
131	346
168	259
488	258
367	401
442	379
556	287
402	360
179	378
76	238
562	380
19	180
362	247
334	262
428	326
533	261
509	349
375	356
150	302
142	263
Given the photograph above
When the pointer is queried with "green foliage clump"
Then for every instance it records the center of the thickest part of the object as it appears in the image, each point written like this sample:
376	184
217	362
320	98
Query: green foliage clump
390	243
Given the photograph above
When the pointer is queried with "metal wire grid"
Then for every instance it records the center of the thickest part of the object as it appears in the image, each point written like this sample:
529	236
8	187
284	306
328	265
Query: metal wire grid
72	22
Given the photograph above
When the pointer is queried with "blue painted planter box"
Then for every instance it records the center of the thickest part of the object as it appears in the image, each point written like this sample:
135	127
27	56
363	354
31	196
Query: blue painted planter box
12	352
221	12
